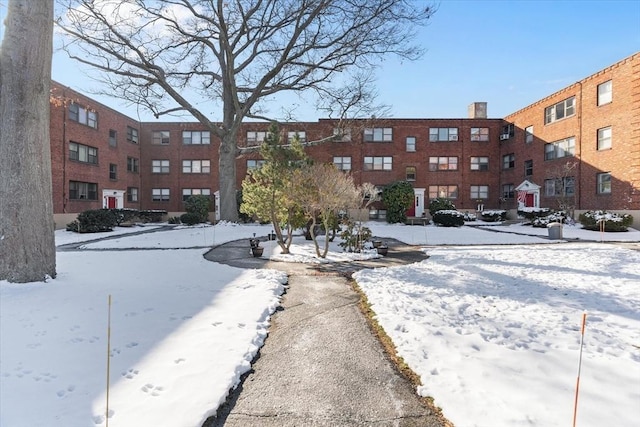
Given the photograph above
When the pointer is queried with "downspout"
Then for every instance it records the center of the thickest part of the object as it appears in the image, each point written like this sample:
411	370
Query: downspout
64	143
579	177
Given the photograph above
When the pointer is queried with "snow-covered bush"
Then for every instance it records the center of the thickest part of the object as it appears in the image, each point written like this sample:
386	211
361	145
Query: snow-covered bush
543	221
532	213
469	216
448	218
494	216
439	204
591	220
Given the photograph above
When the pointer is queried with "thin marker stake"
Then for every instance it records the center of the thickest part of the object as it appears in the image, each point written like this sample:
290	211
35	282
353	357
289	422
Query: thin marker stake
108	359
575	404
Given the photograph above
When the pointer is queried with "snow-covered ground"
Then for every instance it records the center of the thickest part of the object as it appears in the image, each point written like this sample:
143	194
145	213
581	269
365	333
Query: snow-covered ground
494	332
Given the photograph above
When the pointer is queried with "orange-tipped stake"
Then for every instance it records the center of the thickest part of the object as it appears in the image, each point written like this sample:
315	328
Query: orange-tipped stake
575	404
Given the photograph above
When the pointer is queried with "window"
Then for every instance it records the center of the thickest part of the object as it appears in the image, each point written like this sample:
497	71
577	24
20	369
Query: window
559	187
196	137
443	163
342	163
508	161
113	171
342	134
83	153
411	143
188	192
132	134
302	135
410	173
160	137
479	192
479	163
528	167
255	138
507	131
196	166
160	194
113	138
378	163
83	190
479	134
604	138
563	148
604	183
132	194
82	115
528	134
605	92
443	134
560	110
132	164
446	191
507	191
378	134
160	166
255	164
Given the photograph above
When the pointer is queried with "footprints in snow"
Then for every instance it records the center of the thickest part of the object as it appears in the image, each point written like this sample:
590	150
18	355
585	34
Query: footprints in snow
153	390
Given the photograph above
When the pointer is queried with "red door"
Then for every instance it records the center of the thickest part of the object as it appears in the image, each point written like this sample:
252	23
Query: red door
412	209
111	202
528	202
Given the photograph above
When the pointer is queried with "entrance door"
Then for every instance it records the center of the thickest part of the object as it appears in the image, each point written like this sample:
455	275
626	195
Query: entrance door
412	209
529	200
112	202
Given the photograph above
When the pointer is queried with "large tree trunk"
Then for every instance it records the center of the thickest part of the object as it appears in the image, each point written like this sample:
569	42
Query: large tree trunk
227	178
27	245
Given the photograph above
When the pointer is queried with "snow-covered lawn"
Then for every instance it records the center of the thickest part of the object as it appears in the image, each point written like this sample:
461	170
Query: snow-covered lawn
494	332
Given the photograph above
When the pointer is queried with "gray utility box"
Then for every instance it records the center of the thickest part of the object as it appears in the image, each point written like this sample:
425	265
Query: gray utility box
555	230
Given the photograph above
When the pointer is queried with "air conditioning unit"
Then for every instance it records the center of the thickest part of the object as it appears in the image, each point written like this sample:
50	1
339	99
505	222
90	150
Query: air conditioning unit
504	136
453	137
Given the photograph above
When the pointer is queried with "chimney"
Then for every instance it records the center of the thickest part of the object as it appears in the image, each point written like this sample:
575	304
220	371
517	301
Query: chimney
478	110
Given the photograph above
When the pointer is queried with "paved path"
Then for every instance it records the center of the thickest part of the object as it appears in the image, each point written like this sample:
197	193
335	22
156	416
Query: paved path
321	364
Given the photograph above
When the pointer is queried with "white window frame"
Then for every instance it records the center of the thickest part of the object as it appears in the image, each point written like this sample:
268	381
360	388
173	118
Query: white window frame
443	191
559	149
411	144
604	183
302	135
443	163
528	134
188	192
342	163
132	135
378	134
605	92
160	137
562	110
605	138
480	163
508	161
196	137
378	163
443	134
196	166
479	134
255	163
159	166
160	194
479	192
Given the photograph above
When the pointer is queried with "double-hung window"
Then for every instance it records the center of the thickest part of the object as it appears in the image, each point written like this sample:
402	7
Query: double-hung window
378	163
160	166
190	137
378	134
342	163
443	163
605	92
196	166
479	163
604	138
83	153
561	110
443	134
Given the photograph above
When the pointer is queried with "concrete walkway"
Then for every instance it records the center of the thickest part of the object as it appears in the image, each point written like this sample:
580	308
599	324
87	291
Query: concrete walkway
321	365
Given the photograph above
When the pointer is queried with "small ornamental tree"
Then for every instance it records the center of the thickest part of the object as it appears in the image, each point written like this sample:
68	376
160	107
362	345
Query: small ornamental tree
397	197
267	190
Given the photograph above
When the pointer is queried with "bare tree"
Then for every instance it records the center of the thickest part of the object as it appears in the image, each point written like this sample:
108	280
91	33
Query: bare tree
27	245
323	192
563	179
173	56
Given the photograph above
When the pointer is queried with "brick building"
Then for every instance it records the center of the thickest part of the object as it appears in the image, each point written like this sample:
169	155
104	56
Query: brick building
579	148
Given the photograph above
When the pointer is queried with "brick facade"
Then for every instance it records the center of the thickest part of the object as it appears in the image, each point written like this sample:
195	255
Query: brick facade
169	168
